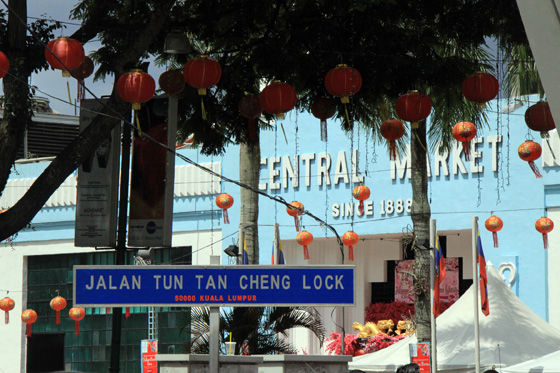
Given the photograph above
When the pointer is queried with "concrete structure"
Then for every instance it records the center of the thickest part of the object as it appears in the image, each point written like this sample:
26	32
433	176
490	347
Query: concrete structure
322	175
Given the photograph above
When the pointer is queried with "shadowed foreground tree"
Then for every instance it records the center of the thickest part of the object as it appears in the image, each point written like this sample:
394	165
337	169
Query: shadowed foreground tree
396	45
256	329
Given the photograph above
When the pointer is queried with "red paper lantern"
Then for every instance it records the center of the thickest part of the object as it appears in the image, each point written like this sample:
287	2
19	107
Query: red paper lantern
278	98
361	193
480	87
350	239
84	70
77	314
343	82
494	224
4	64
295	209
136	87
530	151
28	317
539	118
392	130
464	132
172	82
413	107
323	108
58	304
304	238
202	72
250	107
224	201
544	226
64	54
6	305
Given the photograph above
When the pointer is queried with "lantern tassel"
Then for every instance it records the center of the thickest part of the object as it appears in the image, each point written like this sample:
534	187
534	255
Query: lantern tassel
351	253
226	217
7	317
203	110
76	327
127	312
296	221
81	90
323	130
252	130
284	132
495	236
347	115
361	208
545	240
305	253
546	138
392	150
69	96
466	150
535	169
137	121
28	330
58	317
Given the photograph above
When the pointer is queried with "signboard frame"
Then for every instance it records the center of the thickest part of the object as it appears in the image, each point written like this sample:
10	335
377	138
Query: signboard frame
111	293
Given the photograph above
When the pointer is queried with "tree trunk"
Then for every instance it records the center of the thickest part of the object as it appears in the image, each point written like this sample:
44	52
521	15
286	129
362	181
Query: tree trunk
17	107
249	167
421	223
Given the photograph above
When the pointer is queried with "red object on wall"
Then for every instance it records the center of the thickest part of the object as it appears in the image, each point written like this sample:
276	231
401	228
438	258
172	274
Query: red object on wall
278	98
77	314
172	82
494	224
361	193
530	151
323	108
58	304
343	81
480	87
392	130
202	72
464	132
28	317
350	239
544	226
4	64
250	108
304	238
6	305
413	107
295	209
136	87
539	118
224	201
64	54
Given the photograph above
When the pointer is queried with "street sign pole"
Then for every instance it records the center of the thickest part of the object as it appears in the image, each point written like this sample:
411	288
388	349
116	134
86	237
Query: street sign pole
214	329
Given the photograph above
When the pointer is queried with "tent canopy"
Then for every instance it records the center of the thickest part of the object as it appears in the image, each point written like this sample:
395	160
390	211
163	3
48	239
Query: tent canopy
512	333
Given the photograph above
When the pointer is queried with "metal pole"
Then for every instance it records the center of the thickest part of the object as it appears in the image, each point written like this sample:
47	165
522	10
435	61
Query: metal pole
214	358
433	238
121	243
342	332
475	292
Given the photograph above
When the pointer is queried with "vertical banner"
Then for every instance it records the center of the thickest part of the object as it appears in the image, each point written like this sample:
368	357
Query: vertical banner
98	184
151	179
148	350
420	354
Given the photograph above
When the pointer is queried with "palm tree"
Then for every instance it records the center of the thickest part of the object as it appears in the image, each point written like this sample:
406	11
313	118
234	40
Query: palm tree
259	329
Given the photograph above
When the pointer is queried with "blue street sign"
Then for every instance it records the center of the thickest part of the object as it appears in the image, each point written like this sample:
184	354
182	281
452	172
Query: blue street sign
187	286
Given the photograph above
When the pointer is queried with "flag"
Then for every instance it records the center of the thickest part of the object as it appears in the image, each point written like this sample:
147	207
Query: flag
280	253
439	276
245	253
273	262
483	279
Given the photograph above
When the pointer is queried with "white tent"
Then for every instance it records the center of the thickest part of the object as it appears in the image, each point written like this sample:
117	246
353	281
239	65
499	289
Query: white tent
511	334
545	364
